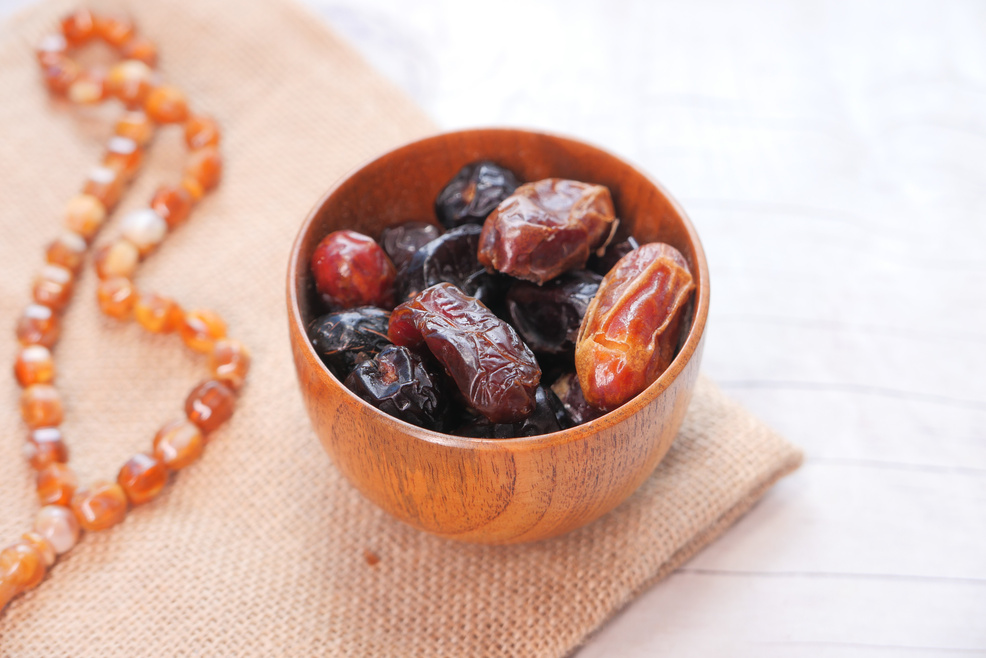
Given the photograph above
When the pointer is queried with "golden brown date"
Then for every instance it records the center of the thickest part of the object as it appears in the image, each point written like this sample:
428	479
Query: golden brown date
630	331
546	228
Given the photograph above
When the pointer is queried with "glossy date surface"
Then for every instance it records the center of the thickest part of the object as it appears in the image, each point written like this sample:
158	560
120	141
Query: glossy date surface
548	317
476	190
398	382
345	338
351	269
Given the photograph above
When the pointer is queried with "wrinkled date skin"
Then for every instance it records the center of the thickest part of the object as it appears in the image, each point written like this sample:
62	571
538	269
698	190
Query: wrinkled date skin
493	369
397	382
630	332
548	317
345	338
475	191
546	228
401	242
549	416
351	269
569	393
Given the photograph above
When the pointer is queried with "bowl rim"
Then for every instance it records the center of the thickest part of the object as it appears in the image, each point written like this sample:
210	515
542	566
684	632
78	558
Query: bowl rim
610	419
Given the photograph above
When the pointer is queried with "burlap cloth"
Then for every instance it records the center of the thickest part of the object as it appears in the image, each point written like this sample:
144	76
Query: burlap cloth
261	547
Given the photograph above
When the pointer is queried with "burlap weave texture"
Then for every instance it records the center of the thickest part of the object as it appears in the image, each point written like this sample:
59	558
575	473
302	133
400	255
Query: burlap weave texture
260	548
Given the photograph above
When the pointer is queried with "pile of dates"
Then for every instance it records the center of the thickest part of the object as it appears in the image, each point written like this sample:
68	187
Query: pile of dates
524	310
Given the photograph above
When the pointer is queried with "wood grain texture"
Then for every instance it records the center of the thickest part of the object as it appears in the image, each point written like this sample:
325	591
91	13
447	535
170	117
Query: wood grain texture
483	490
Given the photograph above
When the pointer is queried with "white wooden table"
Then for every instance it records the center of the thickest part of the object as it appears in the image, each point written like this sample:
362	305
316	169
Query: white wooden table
833	158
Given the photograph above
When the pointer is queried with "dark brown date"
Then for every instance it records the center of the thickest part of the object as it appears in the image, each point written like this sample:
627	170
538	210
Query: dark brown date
351	270
493	369
569	393
546	228
475	191
401	242
549	416
345	338
397	382
614	252
548	317
630	332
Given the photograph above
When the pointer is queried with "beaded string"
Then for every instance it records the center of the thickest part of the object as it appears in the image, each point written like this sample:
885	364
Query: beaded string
67	510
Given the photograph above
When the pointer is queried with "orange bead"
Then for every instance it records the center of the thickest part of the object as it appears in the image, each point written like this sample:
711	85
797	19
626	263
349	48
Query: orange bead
206	166
114	30
79	27
172	203
41	545
106	185
51	48
34	365
67	250
142	478
87	89
130	82
178	444
209	405
201	329
85	214
22	566
101	506
38	325
158	314
56	484
140	48
123	156
230	362
116	259
58	525
136	126
45	447
193	187
53	287
41	406
201	131
166	104
117	297
59	72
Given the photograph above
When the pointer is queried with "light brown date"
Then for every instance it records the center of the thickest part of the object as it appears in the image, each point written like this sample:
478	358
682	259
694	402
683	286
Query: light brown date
546	228
630	331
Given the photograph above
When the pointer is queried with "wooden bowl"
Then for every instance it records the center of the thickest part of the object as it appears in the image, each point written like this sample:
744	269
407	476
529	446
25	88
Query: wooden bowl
488	490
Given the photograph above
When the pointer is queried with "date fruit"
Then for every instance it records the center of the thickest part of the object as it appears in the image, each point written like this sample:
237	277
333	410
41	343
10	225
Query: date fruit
451	258
397	382
546	228
493	369
569	393
548	317
351	270
345	338
630	332
401	242
475	191
614	252
549	416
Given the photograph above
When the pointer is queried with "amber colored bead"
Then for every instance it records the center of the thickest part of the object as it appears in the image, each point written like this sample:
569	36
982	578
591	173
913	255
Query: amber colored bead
166	104
116	297
105	184
173	203
142	478
123	156
38	325
67	250
88	89
145	229
201	131
51	48
41	545
53	287
100	506
58	525
136	126
209	405
178	444
201	329
41	406
140	48
79	27
205	166
34	365
114	30
230	362
56	484
158	314
22	566
193	187
130	82
85	214
116	259
59	72
45	447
